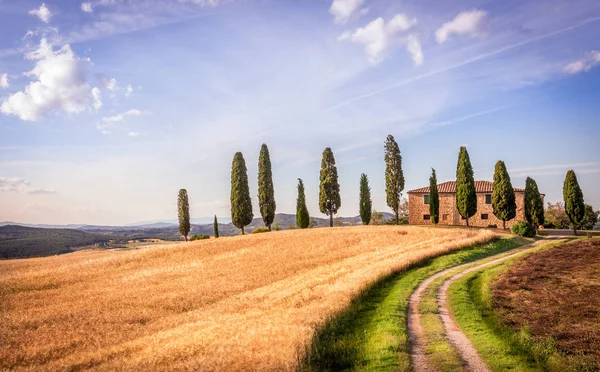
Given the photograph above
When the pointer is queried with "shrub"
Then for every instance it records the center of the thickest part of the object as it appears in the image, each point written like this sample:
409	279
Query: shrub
199	237
522	228
259	230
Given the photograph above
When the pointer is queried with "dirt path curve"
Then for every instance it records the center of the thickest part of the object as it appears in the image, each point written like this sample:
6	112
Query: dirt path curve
455	336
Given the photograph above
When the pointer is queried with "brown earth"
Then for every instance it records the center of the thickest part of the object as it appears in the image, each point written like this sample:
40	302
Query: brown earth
556	294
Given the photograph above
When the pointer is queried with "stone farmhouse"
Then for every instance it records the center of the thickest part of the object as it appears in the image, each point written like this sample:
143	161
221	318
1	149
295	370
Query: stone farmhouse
418	205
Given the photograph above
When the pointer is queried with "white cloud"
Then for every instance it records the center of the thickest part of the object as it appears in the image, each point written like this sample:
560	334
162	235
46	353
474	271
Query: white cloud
465	23
378	36
586	63
128	90
21	186
413	46
87	7
108	123
4	81
41	191
133	134
106	82
43	13
342	10
61	85
97	98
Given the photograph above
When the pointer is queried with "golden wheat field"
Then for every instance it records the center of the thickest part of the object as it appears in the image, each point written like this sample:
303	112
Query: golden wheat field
237	303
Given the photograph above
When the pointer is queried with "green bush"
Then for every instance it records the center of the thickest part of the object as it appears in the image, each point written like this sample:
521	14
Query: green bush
199	237
522	228
259	230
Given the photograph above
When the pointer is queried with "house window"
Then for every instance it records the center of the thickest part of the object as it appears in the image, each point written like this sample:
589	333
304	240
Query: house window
426	199
488	198
444	217
426	217
484	216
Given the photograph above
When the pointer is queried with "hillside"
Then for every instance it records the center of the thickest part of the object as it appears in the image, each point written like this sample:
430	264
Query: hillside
20	241
219	304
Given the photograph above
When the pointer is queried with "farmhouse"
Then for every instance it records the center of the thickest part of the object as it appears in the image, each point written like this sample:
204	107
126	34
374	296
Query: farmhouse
418	205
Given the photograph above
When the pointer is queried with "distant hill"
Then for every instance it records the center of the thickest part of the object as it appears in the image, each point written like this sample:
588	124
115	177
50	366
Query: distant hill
24	241
21	241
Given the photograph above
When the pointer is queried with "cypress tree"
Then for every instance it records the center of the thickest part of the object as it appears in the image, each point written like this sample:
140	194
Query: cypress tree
466	197
394	177
266	194
574	204
216	227
241	204
434	199
504	203
365	200
534	206
329	190
183	212
302	216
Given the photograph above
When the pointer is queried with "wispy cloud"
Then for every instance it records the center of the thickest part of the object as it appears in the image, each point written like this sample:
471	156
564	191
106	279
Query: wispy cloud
43	13
555	169
468	117
465	23
590	60
4	81
342	10
20	185
467	62
109	123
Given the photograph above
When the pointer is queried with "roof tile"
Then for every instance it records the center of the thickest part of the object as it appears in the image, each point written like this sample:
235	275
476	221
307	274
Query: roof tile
450	187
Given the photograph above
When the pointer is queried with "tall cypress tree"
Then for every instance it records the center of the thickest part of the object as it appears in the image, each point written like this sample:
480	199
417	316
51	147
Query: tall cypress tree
574	204
504	203
183	212
302	216
241	204
329	190
266	194
434	199
394	177
466	197
216	227
365	200
534	206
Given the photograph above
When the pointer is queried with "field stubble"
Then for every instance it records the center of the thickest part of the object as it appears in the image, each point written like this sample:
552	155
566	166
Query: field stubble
235	303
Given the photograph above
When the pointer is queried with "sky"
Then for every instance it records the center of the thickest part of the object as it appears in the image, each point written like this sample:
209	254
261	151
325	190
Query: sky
109	107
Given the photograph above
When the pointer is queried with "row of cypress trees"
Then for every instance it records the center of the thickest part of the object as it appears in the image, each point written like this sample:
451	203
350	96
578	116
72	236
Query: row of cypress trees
329	191
503	196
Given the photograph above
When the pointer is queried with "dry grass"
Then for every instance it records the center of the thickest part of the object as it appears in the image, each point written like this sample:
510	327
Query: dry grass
554	294
235	303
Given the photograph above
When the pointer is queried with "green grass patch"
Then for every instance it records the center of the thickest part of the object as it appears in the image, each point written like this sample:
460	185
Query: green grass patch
441	353
503	348
371	333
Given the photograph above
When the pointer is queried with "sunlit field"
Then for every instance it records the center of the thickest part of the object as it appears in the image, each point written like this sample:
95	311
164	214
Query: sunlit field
249	302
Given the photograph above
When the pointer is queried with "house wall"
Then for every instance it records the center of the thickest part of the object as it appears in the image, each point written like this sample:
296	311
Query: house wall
417	208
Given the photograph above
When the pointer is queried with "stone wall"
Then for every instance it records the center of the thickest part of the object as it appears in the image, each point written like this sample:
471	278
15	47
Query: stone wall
449	214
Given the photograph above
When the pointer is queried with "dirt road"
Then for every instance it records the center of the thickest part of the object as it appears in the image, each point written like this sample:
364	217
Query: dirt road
472	360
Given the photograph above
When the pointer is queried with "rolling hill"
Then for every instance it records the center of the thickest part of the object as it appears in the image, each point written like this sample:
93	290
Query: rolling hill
21	241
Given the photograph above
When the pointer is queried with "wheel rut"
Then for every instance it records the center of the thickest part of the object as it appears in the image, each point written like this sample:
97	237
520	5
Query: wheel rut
465	349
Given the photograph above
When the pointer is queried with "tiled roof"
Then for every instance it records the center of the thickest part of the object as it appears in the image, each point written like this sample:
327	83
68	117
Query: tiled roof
450	187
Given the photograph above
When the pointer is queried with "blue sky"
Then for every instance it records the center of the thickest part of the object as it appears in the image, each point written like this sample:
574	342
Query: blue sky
108	107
